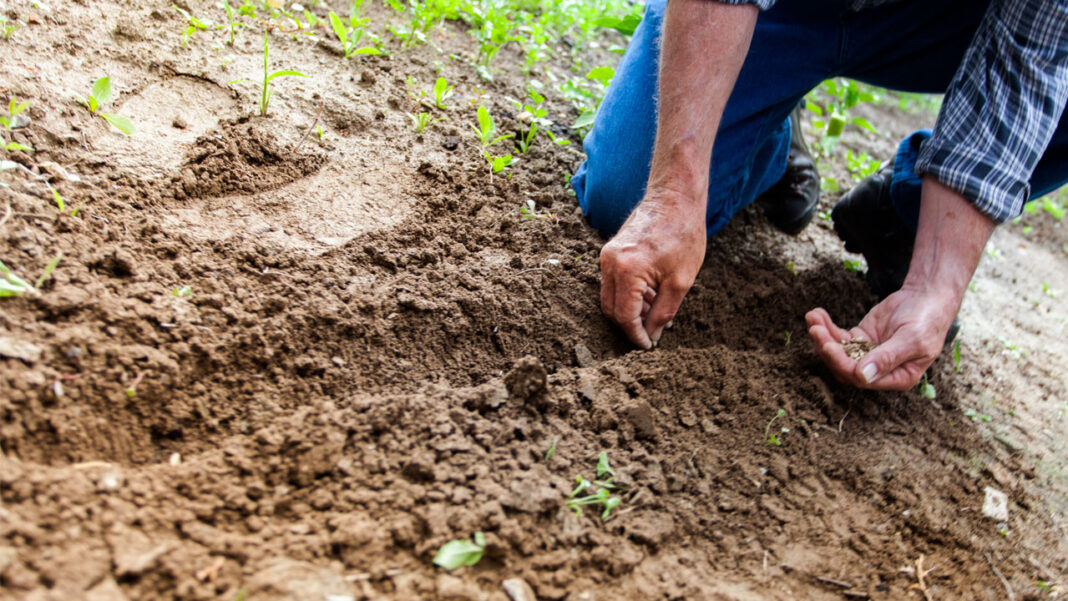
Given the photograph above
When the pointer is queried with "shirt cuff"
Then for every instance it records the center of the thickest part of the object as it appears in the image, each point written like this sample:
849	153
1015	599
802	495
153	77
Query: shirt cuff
998	192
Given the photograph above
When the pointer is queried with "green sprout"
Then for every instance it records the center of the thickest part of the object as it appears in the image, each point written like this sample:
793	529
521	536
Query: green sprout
773	438
600	490
12	285
853	265
350	33
442	92
461	552
183	292
486	129
975	416
265	94
14	108
552	450
231	23
956	355
7	29
927	390
101	95
194	25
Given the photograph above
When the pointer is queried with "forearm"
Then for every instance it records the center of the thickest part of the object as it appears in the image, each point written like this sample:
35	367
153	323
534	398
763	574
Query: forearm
949	243
703	47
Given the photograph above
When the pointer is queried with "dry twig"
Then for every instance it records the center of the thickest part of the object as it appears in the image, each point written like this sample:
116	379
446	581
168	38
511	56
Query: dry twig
318	114
921	584
1001	577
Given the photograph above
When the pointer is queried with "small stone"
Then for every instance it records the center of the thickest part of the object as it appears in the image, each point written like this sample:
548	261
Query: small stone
451	588
450	143
586	386
517	589
110	480
179	123
175	459
583	356
338	361
56	170
106	590
996	505
20	349
640	415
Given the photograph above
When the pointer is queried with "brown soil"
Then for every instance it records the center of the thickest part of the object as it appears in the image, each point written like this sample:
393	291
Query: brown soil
379	350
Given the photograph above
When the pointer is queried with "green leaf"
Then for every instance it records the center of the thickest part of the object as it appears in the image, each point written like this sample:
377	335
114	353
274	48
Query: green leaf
460	552
862	122
101	91
339	29
16	109
120	123
602	74
284	73
59	200
812	107
16	146
626	25
49	269
584	120
603	467
94	105
366	50
485	124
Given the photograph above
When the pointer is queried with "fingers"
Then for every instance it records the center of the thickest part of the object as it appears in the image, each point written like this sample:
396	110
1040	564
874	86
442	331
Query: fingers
896	364
628	306
667	302
819	316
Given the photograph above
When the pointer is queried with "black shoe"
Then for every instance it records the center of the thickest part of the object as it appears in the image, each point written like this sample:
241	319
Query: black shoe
791	203
866	220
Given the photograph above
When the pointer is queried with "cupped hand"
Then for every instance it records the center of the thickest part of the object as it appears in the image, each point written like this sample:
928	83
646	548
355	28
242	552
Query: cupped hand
650	265
908	329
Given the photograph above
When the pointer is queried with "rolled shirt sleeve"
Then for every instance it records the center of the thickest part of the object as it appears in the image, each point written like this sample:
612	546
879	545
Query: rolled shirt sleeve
1002	107
761	4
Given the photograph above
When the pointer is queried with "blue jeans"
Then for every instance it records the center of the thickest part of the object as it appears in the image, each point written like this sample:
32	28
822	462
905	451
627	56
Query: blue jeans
915	46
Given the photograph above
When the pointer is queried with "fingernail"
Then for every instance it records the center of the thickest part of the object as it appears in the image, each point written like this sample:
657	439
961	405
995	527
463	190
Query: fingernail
869	372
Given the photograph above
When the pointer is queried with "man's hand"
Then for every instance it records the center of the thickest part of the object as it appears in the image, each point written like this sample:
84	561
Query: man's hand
910	325
908	329
648	267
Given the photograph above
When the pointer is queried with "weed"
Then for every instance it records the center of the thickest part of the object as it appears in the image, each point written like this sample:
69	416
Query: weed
843	94
442	92
265	94
853	265
771	438
1048	291
461	552
861	165
956	355
787	336
927	390
101	95
975	416
829	185
535	116
350	33
601	490
423	119
499	163
529	211
183	292
602	74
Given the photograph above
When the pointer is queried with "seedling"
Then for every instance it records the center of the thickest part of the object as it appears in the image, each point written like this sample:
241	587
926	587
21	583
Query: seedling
602	74
486	129
854	265
832	119
14	108
268	77
601	490
98	97
975	416
498	163
927	390
552	450
1048	291
773	438
12	285
183	292
349	33
787	336
7	28
529	210
461	552
956	355
861	165
423	119
535	115
442	92
232	24
194	25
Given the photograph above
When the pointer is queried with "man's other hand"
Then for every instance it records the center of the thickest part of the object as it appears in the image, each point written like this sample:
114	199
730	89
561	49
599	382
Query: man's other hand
908	329
650	264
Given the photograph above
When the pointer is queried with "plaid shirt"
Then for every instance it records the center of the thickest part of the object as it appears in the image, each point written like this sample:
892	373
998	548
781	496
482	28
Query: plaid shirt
1002	106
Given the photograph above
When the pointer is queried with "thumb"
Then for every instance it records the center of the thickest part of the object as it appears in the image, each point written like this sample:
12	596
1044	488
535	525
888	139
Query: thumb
884	360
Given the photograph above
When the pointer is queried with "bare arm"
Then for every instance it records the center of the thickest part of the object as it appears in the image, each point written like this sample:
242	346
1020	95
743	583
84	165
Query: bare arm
910	325
648	267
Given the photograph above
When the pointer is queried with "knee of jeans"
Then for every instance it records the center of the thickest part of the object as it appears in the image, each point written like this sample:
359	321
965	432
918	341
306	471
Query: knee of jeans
606	196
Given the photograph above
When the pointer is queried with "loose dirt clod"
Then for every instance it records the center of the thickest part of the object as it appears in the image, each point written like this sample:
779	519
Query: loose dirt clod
856	348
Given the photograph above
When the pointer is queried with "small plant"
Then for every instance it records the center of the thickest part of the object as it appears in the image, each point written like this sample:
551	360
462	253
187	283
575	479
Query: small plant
535	115
7	28
602	74
601	490
98	97
14	108
787	336
461	552
1050	292
268	77
350	33
529	210
927	390
194	25
231	23
956	355
832	118
975	416
853	265
487	129
183	292
498	163
62	204
442	92
861	165
12	285
422	119
772	438
552	450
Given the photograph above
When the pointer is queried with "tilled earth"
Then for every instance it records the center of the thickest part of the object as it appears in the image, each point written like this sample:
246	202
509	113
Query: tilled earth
378	352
